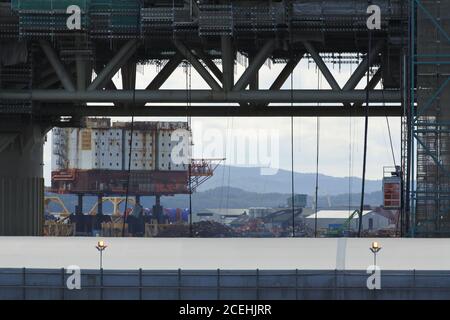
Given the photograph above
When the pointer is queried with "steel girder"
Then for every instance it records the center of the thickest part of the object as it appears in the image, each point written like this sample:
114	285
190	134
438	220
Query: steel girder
219	111
223	90
204	96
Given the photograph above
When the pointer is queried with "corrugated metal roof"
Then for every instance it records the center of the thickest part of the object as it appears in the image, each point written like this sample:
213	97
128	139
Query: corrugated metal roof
225	211
334	214
235	254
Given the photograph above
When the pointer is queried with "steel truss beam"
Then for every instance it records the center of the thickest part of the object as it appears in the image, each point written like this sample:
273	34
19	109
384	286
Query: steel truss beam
253	68
57	65
120	59
165	72
202	96
204	73
223	111
322	66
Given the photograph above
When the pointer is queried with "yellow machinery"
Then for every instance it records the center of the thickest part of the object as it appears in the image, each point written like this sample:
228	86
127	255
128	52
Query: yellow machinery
54	199
116	201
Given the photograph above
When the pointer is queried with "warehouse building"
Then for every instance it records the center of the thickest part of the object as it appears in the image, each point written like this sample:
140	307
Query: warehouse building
372	220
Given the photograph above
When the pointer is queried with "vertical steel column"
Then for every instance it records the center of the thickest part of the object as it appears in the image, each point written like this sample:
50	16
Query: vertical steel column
254	81
79	209
227	62
100	204
21	178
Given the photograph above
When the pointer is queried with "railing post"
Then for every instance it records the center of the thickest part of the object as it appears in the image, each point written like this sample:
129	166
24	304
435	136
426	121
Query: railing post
218	284
296	284
336	294
257	284
24	284
63	284
140	283
179	284
101	284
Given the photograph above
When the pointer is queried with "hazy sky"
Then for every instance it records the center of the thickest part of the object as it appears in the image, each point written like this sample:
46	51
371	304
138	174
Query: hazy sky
341	139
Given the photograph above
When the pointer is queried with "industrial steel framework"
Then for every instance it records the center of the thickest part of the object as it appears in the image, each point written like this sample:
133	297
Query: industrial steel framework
51	75
207	34
429	100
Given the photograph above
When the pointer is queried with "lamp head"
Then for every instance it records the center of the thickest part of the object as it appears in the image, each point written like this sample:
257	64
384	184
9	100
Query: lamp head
101	245
375	247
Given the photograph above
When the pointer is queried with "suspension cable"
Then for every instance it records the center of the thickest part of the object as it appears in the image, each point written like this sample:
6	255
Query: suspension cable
292	156
366	129
317	164
188	117
127	190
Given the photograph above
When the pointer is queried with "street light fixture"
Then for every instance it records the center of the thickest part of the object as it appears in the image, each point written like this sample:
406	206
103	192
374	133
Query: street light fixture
101	246
375	248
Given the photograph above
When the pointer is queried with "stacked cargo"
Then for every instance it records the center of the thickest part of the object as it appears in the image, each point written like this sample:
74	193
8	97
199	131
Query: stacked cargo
96	158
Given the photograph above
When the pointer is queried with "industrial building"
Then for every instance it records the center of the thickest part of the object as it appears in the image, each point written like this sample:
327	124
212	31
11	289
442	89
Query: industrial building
221	215
372	220
95	159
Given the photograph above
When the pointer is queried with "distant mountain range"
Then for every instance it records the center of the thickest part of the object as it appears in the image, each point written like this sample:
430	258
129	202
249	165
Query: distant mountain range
250	179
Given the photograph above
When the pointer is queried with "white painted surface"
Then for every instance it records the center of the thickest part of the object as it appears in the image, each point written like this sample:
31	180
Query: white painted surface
110	147
153	253
325	218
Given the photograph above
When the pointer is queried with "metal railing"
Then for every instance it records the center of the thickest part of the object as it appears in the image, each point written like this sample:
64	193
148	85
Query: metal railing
30	284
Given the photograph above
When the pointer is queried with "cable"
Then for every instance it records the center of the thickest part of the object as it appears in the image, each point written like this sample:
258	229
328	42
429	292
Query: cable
317	163
292	156
366	130
350	169
188	115
390	141
133	81
128	174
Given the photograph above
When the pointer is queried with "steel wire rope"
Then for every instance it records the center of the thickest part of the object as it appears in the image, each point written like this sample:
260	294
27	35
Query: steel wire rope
366	131
127	188
189	151
292	155
316	196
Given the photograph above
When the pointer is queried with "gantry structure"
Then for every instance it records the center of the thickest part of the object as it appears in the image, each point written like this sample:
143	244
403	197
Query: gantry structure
54	72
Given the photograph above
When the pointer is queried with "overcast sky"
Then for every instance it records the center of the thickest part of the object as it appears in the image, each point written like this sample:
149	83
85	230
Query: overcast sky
341	139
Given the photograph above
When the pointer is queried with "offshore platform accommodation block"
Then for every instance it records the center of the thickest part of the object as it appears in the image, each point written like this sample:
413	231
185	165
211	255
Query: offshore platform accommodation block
95	159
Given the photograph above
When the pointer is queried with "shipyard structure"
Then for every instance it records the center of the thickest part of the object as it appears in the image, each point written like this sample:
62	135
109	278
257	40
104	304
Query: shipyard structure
125	159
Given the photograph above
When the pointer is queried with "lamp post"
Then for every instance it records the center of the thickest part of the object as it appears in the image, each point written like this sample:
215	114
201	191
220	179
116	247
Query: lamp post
375	248
101	246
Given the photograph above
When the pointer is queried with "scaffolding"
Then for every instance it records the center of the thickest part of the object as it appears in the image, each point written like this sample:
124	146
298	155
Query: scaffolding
430	121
